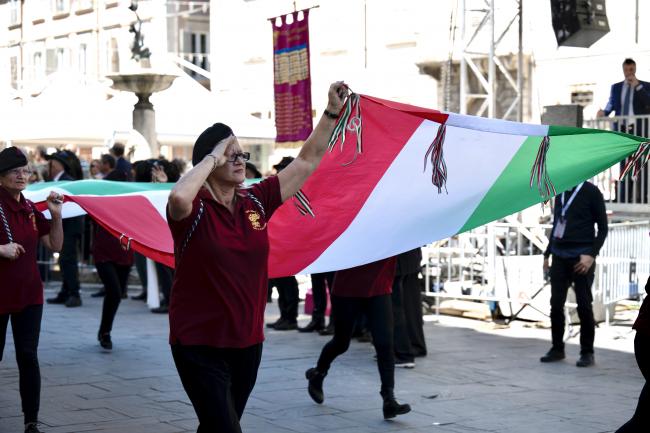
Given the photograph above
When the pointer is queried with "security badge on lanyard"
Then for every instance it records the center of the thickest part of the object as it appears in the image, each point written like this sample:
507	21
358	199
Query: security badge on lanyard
560	226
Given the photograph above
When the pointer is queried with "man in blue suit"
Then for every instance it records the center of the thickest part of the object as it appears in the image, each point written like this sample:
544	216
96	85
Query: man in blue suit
630	97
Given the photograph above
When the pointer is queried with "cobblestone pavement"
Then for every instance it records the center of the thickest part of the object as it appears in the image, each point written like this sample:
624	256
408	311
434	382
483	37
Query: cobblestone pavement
475	379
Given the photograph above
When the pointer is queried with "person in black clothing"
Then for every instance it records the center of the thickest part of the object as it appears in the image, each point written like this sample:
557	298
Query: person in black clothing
574	246
288	297
319	294
64	165
407	310
641	419
159	171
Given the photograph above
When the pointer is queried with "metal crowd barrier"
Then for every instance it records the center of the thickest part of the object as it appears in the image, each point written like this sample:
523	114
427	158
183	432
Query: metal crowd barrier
501	263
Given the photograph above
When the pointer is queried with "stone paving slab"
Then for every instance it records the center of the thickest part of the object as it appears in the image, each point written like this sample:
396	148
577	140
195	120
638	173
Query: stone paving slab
475	379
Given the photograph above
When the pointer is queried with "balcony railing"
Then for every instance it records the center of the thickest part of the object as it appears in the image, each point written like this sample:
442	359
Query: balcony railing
627	195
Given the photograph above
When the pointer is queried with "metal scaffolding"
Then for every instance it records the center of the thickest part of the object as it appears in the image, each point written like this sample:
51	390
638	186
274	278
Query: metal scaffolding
479	47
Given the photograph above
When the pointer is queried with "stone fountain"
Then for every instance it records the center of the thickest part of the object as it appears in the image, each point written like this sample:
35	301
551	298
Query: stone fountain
143	82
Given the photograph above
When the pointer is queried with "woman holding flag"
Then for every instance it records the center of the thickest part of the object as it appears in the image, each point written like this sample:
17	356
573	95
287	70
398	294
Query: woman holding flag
22	226
221	247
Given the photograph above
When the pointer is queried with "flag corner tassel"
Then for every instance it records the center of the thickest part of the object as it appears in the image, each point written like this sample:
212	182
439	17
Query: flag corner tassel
301	202
636	162
540	171
349	120
439	173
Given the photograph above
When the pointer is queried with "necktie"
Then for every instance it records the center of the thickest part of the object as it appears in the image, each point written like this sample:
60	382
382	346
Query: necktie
626	99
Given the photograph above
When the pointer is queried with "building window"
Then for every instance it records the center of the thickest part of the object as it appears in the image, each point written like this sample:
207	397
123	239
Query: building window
83	59
196	50
84	5
13	62
60	6
113	59
39	70
14	12
582	97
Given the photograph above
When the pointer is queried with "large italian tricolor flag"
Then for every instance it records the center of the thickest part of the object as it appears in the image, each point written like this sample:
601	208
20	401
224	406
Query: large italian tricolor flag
404	176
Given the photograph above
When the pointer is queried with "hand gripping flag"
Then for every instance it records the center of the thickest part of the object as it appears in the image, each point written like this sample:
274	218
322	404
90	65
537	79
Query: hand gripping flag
394	177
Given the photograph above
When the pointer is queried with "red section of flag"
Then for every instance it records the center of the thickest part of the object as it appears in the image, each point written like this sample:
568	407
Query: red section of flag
337	193
135	220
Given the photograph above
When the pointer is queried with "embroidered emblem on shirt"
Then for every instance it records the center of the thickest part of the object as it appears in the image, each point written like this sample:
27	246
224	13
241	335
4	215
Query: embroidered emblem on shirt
255	220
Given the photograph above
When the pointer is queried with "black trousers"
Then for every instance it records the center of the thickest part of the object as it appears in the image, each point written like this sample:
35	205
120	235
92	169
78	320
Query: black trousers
379	311
26	328
69	256
218	383
115	278
288	297
165	276
641	419
141	267
320	284
407	318
562	276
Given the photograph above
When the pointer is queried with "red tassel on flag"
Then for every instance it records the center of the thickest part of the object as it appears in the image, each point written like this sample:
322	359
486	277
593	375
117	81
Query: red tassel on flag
636	162
540	171
439	174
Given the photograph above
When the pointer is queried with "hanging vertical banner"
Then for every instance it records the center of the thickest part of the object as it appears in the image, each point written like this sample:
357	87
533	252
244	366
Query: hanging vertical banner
292	78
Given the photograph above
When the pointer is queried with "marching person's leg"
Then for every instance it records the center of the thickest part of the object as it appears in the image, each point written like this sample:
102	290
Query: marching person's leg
109	277
26	327
244	366
205	375
380	321
345	311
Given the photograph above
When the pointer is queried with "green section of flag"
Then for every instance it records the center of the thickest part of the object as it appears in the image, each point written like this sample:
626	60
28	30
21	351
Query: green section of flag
571	159
107	187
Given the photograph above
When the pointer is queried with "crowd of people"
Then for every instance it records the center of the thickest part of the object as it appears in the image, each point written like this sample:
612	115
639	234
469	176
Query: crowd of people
217	294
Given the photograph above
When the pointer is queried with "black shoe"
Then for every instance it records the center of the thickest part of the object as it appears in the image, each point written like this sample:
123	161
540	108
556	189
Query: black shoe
163	309
125	295
99	294
273	324
58	299
315	387
141	297
314	325
286	325
105	341
586	360
31	427
391	407
365	337
73	301
328	330
553	355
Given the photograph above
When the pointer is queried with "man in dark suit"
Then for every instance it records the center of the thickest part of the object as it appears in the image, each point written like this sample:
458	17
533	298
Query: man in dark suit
62	165
121	163
630	97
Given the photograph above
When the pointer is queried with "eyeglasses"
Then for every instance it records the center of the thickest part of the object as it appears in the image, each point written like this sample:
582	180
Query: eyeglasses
18	171
245	156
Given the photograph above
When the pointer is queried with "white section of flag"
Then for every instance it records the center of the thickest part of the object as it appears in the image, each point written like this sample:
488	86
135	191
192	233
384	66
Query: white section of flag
404	209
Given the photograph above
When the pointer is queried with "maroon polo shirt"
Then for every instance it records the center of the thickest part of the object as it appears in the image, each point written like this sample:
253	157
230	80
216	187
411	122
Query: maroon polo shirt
107	248
219	292
20	281
366	281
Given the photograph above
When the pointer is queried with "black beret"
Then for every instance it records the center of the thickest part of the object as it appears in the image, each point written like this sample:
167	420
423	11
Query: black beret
286	160
208	140
11	157
62	157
